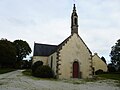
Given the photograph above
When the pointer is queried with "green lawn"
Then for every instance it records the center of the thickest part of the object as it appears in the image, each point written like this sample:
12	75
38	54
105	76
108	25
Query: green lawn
113	76
27	72
5	70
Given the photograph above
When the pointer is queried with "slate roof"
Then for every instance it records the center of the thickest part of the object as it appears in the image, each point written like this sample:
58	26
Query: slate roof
44	49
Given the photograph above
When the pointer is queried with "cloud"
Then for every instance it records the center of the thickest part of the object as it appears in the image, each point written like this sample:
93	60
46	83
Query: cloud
21	22
100	24
49	22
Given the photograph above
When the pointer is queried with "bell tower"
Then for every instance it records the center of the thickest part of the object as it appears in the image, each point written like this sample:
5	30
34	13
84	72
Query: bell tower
74	21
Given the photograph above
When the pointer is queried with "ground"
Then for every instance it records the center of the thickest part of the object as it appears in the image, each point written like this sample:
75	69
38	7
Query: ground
17	81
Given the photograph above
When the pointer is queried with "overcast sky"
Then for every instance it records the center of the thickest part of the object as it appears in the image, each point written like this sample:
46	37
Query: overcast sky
48	21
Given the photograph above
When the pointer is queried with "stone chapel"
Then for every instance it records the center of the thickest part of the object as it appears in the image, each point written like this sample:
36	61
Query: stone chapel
71	58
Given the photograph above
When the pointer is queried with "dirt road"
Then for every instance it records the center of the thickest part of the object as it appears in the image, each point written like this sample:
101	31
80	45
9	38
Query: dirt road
17	81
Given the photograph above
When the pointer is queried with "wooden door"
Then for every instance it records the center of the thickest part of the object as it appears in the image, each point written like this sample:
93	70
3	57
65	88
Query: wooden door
75	70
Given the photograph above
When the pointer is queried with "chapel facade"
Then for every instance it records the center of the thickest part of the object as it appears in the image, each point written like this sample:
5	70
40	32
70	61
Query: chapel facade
71	58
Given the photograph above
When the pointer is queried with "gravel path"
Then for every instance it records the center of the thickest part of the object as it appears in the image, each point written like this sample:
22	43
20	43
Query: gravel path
17	81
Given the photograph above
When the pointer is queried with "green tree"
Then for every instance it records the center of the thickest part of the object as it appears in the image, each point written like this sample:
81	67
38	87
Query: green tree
7	53
22	49
115	54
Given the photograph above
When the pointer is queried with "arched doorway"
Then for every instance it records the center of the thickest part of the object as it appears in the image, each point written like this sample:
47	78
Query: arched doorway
75	69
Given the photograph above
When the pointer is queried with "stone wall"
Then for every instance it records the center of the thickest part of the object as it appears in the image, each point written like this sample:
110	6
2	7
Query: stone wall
40	58
98	63
74	50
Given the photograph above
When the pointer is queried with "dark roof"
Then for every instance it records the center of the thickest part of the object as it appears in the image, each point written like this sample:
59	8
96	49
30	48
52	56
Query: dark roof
44	49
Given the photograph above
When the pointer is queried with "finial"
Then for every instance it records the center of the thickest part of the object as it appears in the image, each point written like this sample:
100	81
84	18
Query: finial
74	8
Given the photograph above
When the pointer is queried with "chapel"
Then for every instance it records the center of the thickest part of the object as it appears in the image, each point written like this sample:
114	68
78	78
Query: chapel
71	58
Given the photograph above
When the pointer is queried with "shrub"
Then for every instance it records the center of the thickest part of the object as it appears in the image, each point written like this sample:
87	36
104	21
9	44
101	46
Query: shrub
99	72
44	72
36	65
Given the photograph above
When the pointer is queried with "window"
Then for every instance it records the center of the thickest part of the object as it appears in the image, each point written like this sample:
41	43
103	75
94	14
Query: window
51	61
75	21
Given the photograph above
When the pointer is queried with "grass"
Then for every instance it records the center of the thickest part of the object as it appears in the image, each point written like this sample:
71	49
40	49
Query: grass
113	76
5	70
27	72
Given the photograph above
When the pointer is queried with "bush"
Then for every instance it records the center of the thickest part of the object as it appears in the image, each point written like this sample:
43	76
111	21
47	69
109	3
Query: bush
44	72
36	65
99	72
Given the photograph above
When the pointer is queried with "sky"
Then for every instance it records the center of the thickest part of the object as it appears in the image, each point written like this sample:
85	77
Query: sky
48	22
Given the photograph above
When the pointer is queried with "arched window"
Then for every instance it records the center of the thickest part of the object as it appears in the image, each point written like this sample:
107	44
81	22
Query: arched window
75	21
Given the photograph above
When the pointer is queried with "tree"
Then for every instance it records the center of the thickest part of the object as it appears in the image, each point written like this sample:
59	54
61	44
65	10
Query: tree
22	49
115	54
103	59
7	53
111	67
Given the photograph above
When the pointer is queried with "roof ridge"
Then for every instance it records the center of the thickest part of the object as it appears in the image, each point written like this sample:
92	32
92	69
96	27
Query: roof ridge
46	44
62	43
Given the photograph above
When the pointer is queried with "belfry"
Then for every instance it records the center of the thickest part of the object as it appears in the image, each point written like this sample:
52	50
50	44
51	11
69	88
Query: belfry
74	21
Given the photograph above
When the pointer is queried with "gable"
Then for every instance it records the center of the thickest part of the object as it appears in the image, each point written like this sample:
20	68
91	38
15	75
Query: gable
85	45
98	63
44	49
67	39
96	58
63	43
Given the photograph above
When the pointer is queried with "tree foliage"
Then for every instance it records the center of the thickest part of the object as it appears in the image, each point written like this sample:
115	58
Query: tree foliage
22	49
115	54
111	67
7	53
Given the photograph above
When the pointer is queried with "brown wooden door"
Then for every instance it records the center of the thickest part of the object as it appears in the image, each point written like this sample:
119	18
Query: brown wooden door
75	70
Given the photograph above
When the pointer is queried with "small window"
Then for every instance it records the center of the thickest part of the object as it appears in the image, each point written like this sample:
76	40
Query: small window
51	61
75	21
